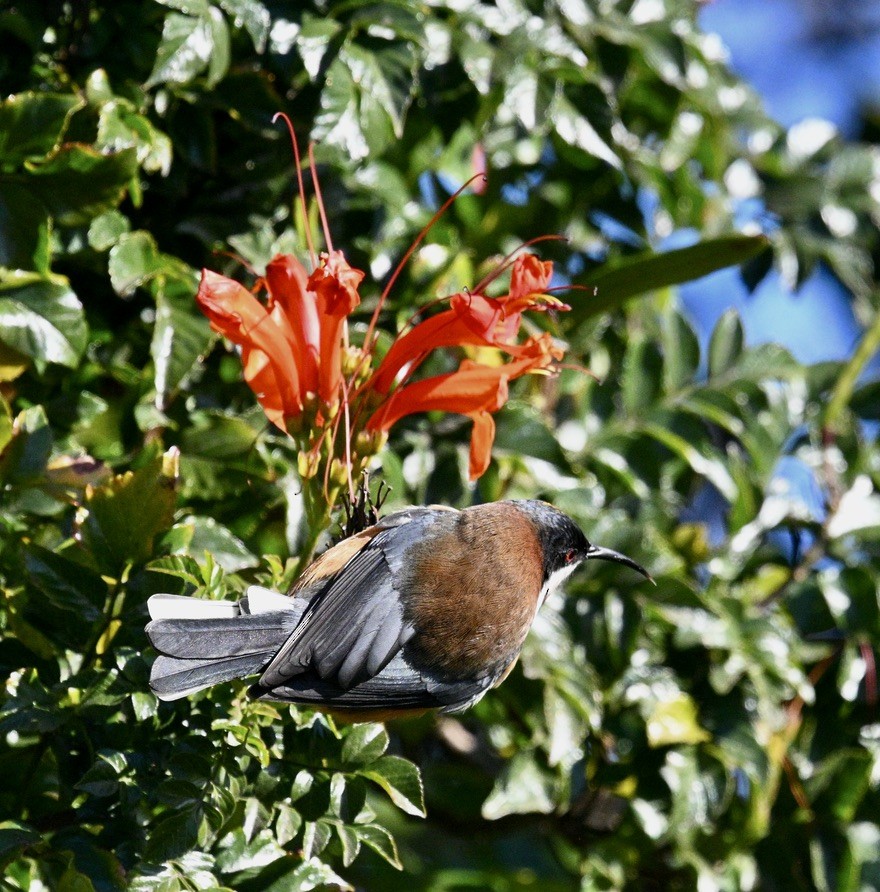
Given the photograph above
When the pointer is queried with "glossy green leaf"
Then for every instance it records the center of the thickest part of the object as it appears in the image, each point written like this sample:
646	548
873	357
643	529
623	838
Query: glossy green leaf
380	841
134	260
364	744
121	126
401	780
681	353
675	721
639	275
42	318
204	535
251	15
174	835
521	431
66	583
522	788
642	376
181	336
186	49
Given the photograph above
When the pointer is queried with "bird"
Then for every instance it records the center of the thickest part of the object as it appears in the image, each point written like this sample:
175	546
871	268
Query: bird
425	610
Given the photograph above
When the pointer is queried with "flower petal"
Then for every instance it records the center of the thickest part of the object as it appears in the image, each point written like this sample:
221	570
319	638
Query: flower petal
529	276
287	281
335	284
265	341
482	438
473	388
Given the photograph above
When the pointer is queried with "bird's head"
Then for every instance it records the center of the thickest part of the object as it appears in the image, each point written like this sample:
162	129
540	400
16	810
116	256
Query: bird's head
564	546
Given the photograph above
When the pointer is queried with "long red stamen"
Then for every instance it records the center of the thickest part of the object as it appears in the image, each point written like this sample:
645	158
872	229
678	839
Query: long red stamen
428	306
577	367
508	260
299	177
327	240
345	398
237	258
416	242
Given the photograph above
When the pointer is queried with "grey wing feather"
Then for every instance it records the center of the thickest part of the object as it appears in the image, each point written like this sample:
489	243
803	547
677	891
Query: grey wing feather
354	626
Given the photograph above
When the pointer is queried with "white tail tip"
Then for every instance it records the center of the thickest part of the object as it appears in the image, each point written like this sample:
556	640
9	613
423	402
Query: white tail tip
264	600
183	607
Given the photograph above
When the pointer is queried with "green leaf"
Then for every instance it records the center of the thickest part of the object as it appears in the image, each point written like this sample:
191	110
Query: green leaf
726	343
122	126
380	841
401	780
24	229
42	318
573	127
77	183
520	430
252	16
26	454
287	825
174	835
204	534
649	272
181	335
101	780
701	460
32	124
14	838
218	64
74	881
674	721
6	425
293	874
364	744
107	229
121	519
364	99
522	788
681	353
66	584
641	377
134	260
185	51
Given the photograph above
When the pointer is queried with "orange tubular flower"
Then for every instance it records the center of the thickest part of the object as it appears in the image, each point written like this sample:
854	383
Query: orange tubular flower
474	390
291	348
473	320
296	357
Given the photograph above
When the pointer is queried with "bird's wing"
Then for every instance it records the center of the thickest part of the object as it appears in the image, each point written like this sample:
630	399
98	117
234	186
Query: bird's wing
397	690
354	625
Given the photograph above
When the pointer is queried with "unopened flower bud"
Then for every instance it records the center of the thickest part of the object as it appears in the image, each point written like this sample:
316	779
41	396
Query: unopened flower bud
370	442
307	465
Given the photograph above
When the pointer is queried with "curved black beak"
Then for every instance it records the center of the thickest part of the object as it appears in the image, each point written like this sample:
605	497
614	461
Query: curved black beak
597	552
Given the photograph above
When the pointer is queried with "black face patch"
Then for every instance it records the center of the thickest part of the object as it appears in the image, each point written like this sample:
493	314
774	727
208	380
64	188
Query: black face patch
562	541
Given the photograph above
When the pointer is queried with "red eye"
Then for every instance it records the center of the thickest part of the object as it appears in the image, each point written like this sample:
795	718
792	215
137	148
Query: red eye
570	555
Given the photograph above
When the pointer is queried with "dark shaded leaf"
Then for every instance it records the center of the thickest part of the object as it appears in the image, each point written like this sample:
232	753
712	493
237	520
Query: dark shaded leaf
31	125
77	183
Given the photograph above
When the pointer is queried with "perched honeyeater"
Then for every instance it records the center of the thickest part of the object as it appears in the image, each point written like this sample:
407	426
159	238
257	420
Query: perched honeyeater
427	609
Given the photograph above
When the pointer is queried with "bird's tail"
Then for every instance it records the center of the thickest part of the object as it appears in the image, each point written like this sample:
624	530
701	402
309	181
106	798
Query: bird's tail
202	643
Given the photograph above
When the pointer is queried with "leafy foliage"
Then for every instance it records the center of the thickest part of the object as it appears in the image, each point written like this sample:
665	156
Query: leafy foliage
720	729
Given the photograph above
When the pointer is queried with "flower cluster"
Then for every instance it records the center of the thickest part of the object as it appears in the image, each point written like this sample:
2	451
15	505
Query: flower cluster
303	374
338	401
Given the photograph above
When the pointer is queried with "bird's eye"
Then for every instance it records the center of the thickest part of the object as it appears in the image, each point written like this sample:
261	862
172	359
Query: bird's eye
570	555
